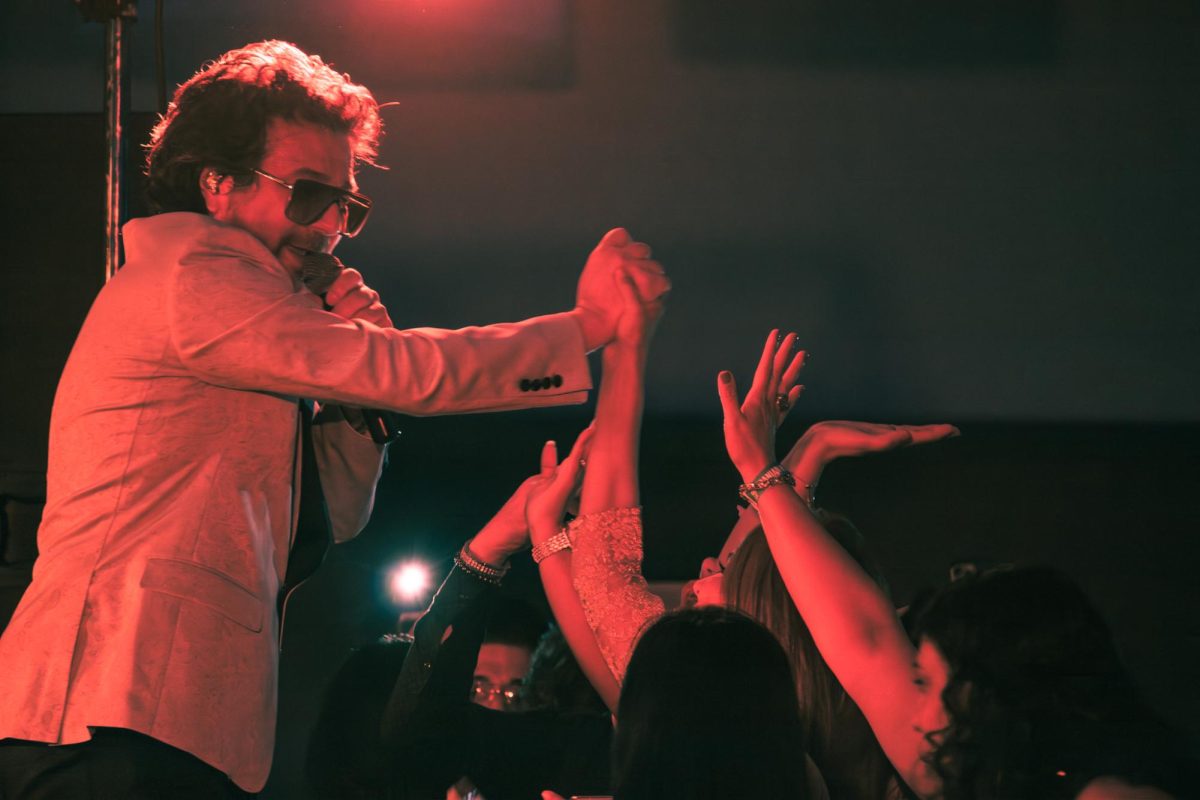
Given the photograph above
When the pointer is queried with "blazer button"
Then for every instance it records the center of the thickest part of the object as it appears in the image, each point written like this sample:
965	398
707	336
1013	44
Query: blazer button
557	381
535	385
547	383
524	384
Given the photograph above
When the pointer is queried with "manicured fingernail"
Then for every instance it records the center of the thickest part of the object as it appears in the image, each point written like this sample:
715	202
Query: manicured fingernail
726	376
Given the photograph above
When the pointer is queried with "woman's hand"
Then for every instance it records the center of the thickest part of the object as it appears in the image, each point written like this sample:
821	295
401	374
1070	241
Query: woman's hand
551	490
510	530
505	533
635	325
750	427
828	441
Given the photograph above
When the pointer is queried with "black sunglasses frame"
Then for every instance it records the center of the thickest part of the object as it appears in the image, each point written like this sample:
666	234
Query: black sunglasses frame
314	197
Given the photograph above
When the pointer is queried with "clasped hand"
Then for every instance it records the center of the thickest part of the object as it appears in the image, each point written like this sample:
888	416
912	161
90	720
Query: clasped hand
599	295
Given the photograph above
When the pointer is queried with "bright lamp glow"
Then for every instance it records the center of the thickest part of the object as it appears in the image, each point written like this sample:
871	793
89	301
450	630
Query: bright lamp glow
409	582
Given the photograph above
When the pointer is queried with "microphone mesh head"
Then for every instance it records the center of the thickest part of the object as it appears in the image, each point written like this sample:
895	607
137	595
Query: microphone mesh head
319	270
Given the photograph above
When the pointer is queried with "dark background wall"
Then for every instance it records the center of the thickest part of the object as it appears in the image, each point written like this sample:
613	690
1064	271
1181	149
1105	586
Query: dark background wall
978	212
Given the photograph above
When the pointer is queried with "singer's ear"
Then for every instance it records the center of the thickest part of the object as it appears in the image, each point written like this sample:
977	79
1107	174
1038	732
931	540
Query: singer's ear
214	182
213	188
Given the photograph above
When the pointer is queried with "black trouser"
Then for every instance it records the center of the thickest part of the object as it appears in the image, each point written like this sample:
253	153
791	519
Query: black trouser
114	764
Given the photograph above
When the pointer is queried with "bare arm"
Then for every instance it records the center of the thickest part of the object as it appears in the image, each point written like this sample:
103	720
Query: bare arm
851	620
607	536
544	512
611	480
564	602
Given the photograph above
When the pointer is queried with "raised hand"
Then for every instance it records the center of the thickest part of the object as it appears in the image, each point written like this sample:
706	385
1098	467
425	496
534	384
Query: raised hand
553	488
830	440
597	298
750	426
505	533
638	316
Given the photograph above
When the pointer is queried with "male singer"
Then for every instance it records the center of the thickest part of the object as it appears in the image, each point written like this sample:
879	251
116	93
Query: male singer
142	660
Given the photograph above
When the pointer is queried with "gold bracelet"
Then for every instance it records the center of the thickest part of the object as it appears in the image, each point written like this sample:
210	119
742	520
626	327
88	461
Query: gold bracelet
772	476
556	543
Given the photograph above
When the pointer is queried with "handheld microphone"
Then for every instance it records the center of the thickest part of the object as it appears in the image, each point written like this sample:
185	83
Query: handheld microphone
319	271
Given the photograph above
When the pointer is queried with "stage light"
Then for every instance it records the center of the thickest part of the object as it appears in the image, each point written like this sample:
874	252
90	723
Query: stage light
409	583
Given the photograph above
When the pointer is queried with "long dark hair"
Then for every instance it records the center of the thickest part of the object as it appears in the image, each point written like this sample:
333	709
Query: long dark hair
708	710
219	118
555	680
1038	700
837	736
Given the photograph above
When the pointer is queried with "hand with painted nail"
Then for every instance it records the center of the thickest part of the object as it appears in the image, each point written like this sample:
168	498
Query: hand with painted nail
750	425
507	532
554	487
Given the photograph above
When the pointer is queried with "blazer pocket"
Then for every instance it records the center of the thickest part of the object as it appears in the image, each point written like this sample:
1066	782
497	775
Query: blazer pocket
205	586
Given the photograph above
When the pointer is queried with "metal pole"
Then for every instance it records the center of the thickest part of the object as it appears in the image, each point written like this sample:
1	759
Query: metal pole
113	101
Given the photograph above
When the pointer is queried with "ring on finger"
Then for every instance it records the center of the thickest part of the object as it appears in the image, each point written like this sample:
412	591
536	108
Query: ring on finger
782	403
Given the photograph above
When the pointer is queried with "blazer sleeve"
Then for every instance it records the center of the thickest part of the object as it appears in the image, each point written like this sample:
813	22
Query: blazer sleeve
238	319
349	464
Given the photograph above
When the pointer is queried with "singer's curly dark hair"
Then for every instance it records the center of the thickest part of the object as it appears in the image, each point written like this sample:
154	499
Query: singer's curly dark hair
219	118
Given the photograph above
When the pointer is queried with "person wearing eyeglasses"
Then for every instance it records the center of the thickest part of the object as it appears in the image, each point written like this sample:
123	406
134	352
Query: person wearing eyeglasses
435	730
189	477
513	631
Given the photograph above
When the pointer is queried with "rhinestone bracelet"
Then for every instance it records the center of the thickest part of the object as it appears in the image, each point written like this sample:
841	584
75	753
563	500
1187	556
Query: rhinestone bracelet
556	543
477	567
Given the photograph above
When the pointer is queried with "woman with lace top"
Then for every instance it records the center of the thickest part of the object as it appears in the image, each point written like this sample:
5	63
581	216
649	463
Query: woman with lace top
602	552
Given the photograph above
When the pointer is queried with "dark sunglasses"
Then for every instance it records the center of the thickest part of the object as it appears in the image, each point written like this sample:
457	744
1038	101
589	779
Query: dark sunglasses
310	198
